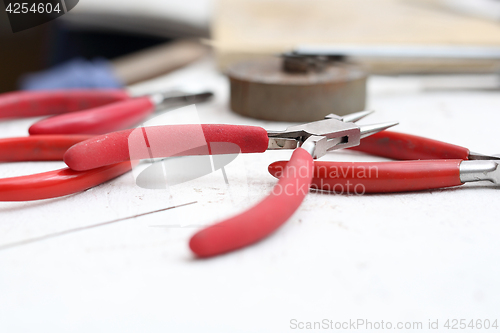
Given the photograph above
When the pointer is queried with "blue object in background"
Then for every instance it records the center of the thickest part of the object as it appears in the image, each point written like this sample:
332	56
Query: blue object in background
76	73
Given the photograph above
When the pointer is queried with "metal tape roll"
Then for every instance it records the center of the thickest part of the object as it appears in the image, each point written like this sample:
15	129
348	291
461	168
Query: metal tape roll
263	89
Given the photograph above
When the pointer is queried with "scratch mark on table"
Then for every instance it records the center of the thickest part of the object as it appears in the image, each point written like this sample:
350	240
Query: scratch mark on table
70	231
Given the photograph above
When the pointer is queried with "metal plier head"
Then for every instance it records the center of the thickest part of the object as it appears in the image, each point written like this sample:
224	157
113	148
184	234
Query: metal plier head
319	137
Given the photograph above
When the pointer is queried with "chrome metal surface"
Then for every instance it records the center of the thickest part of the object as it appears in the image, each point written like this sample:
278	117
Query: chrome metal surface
477	156
345	135
354	117
367	130
315	145
282	143
179	97
325	135
474	171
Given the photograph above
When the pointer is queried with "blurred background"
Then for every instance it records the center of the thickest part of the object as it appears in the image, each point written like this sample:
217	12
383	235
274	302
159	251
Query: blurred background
100	31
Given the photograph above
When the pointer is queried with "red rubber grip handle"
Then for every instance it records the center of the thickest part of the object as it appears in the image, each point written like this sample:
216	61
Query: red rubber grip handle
165	141
50	184
104	119
264	218
402	146
57	183
22	104
37	148
380	177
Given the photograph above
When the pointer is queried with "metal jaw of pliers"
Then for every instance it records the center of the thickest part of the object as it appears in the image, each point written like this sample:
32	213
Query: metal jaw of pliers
480	167
320	137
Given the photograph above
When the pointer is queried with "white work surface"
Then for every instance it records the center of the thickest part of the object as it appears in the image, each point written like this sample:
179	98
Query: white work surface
431	255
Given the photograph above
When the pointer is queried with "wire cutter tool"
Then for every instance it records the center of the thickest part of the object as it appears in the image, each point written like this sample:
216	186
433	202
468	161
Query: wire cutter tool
311	140
88	111
427	164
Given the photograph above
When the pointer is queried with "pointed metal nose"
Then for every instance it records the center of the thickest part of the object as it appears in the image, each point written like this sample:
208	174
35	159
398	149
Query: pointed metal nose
354	117
367	130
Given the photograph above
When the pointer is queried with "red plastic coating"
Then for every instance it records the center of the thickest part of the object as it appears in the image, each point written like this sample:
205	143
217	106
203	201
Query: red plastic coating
38	147
57	183
50	184
21	104
104	119
264	218
402	146
380	177
165	141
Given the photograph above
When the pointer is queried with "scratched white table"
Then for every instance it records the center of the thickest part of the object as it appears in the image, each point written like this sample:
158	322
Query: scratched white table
408	257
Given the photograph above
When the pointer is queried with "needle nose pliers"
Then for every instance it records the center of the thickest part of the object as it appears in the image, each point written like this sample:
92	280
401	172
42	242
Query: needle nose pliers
427	164
311	140
88	111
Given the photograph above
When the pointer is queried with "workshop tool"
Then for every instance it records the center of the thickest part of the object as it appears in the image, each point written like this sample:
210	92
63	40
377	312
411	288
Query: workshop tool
430	164
50	184
296	90
311	140
88	111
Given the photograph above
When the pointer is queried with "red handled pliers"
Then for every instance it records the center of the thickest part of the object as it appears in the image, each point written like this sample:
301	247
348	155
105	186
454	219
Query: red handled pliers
429	164
88	111
311	140
50	184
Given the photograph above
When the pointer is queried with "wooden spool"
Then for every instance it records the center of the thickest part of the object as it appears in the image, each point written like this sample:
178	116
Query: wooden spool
263	89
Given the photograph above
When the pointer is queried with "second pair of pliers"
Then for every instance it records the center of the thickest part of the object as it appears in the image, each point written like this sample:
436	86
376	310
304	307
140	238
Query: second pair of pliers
51	184
424	164
88	111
